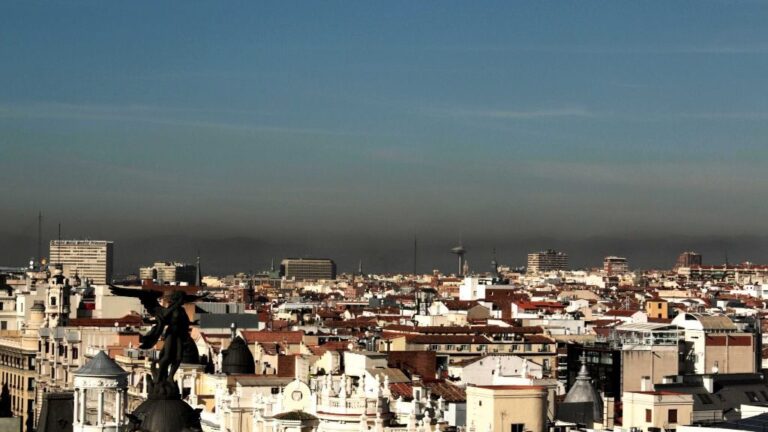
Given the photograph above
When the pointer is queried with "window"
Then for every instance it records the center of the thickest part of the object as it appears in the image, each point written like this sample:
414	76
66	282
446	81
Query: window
275	390
3	324
1	305
648	416
517	427
53	301
672	416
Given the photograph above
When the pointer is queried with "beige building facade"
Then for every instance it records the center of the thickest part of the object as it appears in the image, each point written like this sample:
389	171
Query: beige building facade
652	409
506	408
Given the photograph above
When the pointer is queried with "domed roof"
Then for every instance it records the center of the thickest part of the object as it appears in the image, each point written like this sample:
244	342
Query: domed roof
101	366
295	415
38	307
237	359
583	391
166	415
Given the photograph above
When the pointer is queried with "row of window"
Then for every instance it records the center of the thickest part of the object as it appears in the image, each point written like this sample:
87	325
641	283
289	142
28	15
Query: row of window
15	381
671	416
18	362
49	347
466	348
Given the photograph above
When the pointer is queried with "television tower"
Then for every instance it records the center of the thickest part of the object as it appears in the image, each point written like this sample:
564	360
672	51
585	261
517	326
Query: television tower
460	251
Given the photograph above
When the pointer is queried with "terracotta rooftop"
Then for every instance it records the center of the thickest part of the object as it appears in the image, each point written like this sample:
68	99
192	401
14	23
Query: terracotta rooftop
266	336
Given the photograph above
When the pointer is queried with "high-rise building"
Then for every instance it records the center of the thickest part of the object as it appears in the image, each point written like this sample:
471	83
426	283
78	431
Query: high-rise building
308	268
615	265
169	272
548	260
688	259
90	259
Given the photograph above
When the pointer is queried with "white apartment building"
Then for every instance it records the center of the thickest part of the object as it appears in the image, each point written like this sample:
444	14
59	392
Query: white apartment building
89	259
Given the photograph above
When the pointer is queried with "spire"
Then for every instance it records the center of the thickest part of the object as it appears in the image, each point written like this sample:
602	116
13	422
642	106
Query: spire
583	372
583	391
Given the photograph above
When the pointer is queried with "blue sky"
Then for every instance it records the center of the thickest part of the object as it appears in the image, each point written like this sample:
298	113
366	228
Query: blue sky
489	118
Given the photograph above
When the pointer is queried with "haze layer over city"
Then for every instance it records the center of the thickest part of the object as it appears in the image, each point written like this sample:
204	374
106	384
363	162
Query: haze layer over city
400	216
250	131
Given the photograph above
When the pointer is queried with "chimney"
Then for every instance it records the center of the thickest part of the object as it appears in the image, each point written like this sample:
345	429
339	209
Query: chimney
645	384
709	383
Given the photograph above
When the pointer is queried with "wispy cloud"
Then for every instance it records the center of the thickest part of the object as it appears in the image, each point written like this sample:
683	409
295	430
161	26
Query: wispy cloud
743	115
732	48
163	116
520	114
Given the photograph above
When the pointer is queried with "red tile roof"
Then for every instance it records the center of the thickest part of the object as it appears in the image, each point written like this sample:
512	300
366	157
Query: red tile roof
266	336
446	339
127	320
484	329
459	304
444	389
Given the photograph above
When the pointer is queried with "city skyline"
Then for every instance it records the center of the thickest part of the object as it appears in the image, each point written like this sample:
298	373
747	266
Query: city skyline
229	255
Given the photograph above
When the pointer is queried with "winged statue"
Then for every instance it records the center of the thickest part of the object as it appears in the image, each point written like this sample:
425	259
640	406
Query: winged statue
170	322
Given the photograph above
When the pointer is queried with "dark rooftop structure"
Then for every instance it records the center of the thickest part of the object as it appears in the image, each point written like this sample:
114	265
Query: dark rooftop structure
56	413
582	404
723	394
237	359
101	366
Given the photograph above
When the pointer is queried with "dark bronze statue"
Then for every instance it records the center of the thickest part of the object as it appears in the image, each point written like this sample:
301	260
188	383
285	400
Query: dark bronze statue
164	411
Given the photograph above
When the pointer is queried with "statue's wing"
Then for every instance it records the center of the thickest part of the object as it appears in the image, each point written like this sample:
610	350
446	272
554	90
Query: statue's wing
191	298
149	299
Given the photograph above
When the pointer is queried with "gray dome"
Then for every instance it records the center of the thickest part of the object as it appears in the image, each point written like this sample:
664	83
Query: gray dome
583	391
295	416
101	366
237	359
166	415
38	307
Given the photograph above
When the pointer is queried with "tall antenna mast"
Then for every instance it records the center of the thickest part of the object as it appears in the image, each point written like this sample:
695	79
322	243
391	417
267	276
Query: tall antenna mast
59	246
39	238
415	253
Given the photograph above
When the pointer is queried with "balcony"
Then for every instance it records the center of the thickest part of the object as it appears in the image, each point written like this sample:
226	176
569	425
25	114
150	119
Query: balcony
355	405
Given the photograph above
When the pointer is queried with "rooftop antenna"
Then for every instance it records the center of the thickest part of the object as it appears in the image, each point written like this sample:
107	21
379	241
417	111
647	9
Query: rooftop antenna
39	238
59	245
415	254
